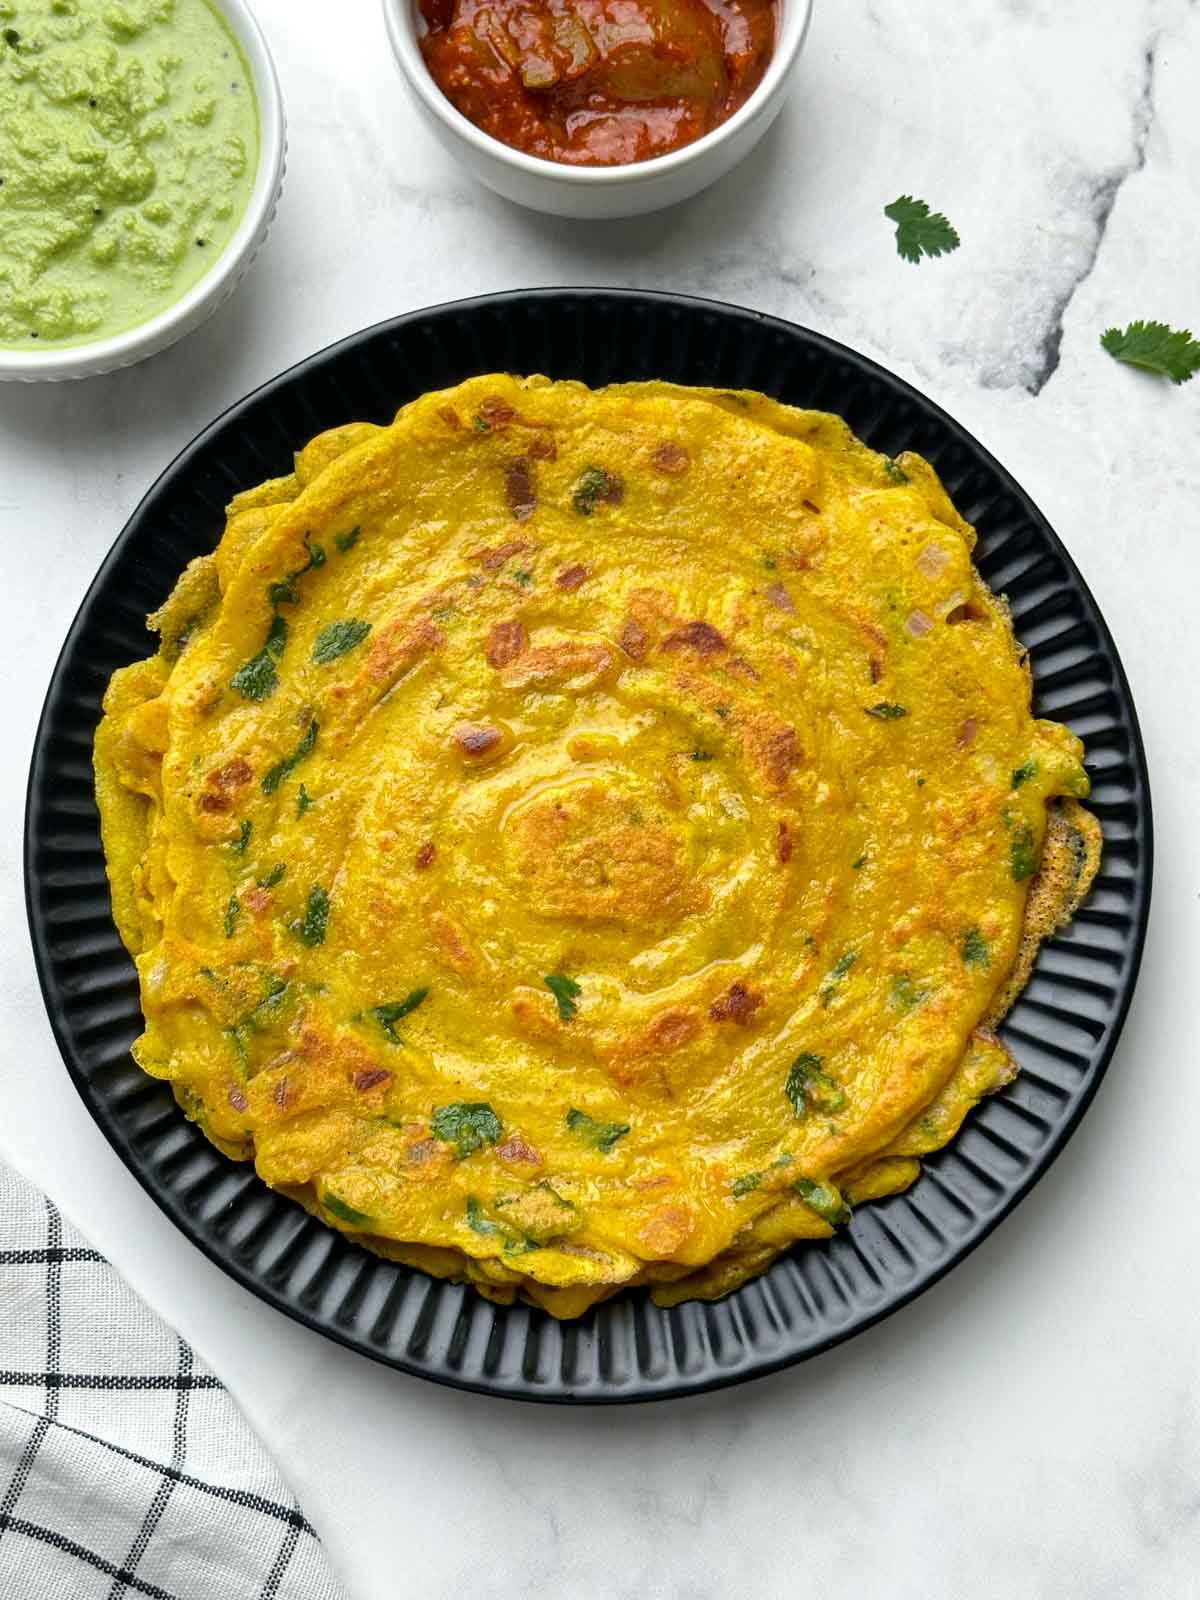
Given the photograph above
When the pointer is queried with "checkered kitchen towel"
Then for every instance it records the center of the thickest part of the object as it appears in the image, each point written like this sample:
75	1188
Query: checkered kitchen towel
125	1467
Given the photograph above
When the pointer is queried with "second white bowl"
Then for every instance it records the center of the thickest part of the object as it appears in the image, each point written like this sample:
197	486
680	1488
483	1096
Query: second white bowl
599	192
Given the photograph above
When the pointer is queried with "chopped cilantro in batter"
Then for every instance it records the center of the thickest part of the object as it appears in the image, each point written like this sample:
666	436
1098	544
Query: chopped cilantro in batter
391	1012
281	769
823	1198
337	1207
337	639
311	929
465	1124
1023	853
565	991
601	1136
808	1086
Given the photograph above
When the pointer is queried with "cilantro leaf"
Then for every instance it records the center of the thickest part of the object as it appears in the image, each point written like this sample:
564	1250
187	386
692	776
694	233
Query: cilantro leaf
601	1135
750	1181
823	1198
919	231
303	801
336	639
836	973
391	1012
807	1086
466	1125
338	1208
347	541
974	950
281	769
256	679
565	991
1154	347
232	912
243	839
311	930
1024	855
476	1220
886	711
596	486
904	995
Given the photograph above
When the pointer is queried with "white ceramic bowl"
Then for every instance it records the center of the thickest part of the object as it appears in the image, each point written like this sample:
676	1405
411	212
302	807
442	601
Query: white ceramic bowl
227	270
599	192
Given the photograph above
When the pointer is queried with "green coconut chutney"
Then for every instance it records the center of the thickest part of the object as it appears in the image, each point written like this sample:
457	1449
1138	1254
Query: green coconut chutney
128	150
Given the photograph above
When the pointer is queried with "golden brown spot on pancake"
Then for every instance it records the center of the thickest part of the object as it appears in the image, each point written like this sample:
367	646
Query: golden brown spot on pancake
571	577
779	597
670	458
492	558
666	1229
772	745
215	802
257	899
592	746
635	641
516	1152
479	741
737	1004
505	642
495	412
449	416
236	1098
783	845
397	645
543	448
233	775
576	855
518	486
577	663
371	1078
450	943
875	669
701	637
669	1030
966	734
739	667
425	856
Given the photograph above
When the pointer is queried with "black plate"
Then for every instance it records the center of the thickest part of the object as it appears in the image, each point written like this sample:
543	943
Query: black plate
1062	1030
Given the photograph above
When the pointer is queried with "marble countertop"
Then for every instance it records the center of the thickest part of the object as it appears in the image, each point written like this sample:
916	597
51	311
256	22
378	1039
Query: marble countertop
1031	1426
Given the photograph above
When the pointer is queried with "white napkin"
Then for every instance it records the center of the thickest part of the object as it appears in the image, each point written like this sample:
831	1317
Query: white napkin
125	1467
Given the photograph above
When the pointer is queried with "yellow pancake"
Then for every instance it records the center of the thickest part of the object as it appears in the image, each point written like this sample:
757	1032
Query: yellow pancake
578	839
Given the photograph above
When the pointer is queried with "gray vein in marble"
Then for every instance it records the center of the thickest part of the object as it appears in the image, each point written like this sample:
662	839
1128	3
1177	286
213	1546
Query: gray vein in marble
1101	199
